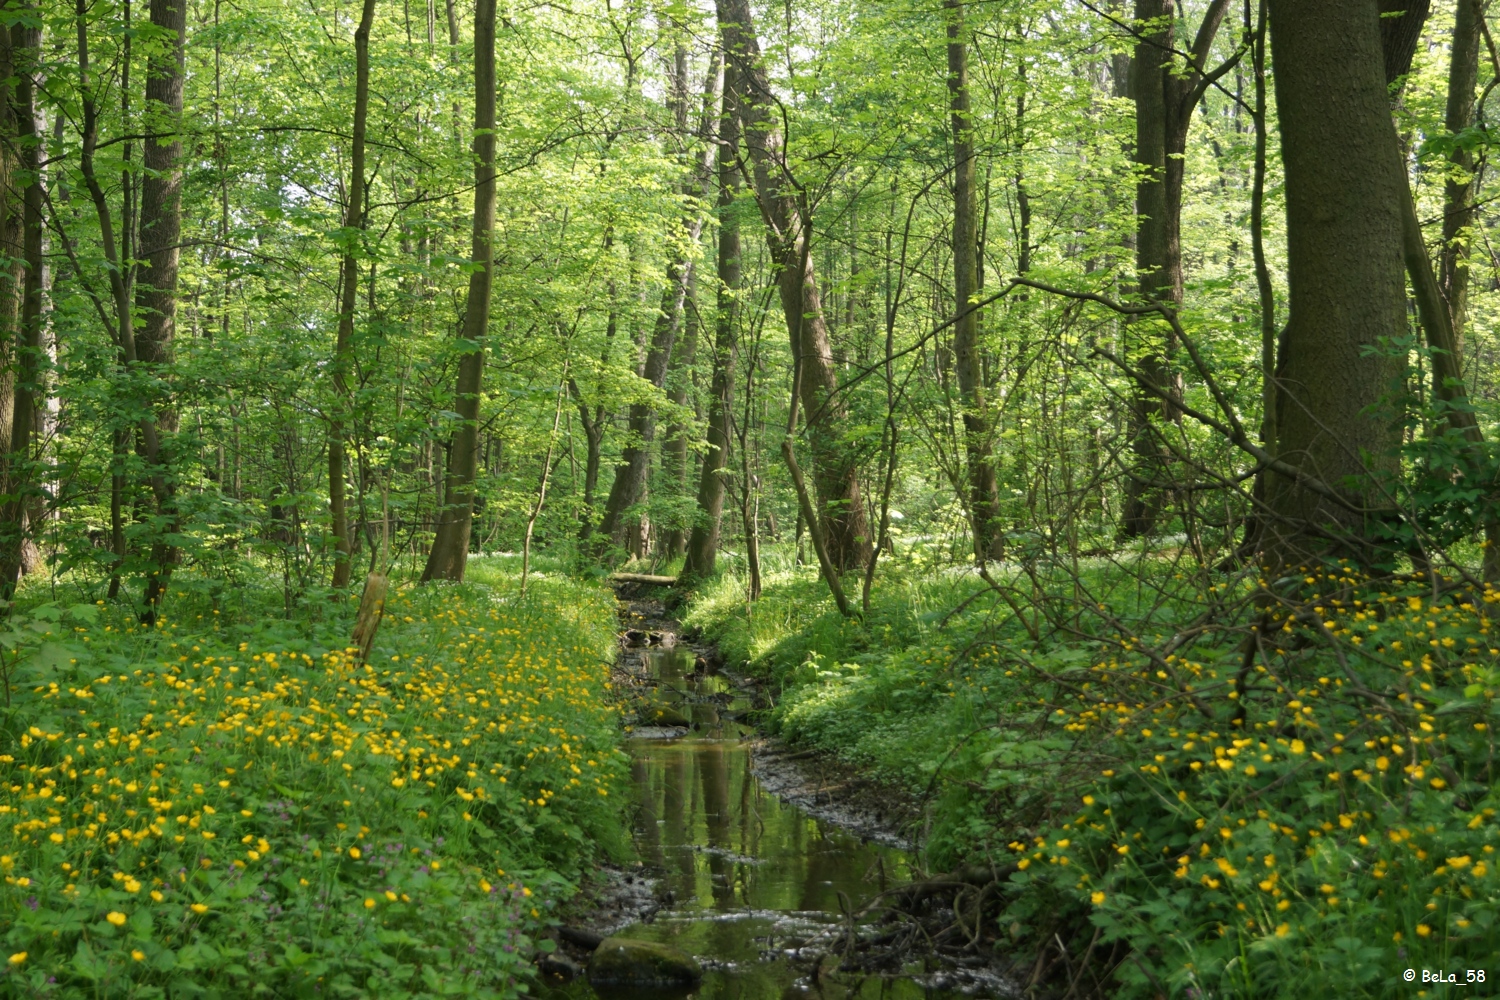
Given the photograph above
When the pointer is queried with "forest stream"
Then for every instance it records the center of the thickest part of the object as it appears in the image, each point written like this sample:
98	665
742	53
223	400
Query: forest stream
749	884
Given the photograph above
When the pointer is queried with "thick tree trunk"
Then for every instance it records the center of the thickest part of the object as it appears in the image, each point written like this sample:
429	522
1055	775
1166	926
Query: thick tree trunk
343	348
156	288
788	232
1344	190
19	479
703	544
450	547
984	502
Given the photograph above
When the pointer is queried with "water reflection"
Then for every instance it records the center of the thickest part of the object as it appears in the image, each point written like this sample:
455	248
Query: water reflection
749	875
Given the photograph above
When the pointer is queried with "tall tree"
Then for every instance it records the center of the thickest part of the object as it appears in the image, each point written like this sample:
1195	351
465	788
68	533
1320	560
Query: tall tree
450	548
160	250
343	349
630	475
19	479
1347	299
703	543
1166	94
984	502
1459	210
789	235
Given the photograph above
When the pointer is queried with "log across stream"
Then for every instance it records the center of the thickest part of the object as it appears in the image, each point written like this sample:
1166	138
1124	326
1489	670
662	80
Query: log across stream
753	887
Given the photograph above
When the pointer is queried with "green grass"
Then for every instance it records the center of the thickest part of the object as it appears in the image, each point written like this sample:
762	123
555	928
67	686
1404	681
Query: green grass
227	804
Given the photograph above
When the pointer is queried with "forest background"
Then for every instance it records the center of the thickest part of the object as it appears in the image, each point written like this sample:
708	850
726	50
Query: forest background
1083	392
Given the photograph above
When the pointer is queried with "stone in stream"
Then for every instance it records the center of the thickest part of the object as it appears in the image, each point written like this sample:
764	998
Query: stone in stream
666	715
620	961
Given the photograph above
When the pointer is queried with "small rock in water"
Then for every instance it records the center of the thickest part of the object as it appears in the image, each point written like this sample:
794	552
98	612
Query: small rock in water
561	966
666	715
621	961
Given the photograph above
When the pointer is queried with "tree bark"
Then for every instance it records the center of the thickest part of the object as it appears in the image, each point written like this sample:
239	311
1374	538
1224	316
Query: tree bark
1458	193
19	479
788	232
630	476
450	547
343	348
675	459
156	287
1165	98
984	501
703	543
1344	190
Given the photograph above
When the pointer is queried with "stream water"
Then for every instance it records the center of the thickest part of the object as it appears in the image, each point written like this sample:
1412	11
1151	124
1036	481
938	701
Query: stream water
751	879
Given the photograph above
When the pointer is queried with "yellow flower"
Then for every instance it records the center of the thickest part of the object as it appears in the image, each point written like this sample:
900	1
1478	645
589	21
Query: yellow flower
1282	930
369	904
138	955
115	917
1423	930
199	908
354	853
156	896
18	958
1097	898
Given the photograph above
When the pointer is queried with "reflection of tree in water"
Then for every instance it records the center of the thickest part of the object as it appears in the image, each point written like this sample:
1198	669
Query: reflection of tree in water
699	799
713	774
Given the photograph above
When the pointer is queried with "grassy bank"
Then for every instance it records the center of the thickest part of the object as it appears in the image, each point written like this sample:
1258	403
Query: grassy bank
227	804
1316	815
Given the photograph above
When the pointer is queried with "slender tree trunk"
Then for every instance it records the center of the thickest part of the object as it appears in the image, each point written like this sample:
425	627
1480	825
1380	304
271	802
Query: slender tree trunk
450	547
703	545
343	349
984	501
1165	98
788	233
12	234
19	477
1458	193
675	451
156	288
1344	191
629	484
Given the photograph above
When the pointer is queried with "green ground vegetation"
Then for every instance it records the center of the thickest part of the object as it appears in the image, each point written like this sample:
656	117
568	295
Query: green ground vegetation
228	804
1312	811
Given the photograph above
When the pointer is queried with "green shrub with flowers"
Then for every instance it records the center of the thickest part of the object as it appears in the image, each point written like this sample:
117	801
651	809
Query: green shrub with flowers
228	804
1203	812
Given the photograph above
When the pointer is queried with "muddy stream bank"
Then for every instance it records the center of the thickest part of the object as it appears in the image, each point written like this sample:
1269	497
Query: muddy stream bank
750	859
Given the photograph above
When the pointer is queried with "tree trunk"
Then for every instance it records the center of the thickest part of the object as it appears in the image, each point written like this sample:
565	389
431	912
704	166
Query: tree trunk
788	232
343	349
19	479
984	502
450	547
630	476
703	544
1458	193
1344	189
675	459
1165	99
156	288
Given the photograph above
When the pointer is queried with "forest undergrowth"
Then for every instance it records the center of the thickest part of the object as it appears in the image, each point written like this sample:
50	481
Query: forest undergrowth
229	804
1205	790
